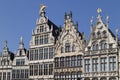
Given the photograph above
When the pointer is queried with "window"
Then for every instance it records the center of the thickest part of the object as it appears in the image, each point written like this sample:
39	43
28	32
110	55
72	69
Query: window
62	62
35	69
8	76
26	73
45	69
13	74
50	69
22	73
20	62
67	47
31	70
51	52
79	75
104	33
40	69
73	61
73	48
103	45
41	40
104	64
110	46
98	34
73	76
79	60
87	65
4	75
56	62
62	49
45	53
45	39
0	75
31	54
40	53
67	61
36	54
41	28
112	63
95	65
36	40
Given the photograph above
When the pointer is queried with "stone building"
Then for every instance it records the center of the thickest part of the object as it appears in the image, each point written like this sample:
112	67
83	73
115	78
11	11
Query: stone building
69	50
42	48
20	65
100	60
6	59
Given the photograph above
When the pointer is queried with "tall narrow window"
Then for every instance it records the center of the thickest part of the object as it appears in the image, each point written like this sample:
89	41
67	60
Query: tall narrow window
73	61
35	69
73	48
62	62
87	65
95	65
36	40
67	47
51	52
50	69
103	64
45	53
40	69
112	63
56	62
40	53
36	54
31	70
62	49
45	39
67	61
45	69
41	40
79	60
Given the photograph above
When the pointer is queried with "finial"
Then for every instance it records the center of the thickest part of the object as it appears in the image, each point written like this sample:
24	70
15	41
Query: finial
5	43
117	31
21	39
42	9
91	21
99	10
107	20
117	34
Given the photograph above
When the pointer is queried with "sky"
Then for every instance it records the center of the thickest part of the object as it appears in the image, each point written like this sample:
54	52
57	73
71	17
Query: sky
18	17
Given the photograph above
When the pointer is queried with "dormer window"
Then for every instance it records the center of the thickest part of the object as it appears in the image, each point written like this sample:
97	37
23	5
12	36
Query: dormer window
98	34
67	47
41	28
104	33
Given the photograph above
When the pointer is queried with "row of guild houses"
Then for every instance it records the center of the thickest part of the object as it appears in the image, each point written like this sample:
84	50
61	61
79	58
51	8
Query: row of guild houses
62	53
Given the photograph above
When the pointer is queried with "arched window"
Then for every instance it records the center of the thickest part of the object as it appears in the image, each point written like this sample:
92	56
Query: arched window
73	48
67	47
98	34
104	33
103	45
97	47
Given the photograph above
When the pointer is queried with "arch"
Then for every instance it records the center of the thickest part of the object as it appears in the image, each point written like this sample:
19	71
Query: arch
112	78
87	79
95	79
103	44
103	78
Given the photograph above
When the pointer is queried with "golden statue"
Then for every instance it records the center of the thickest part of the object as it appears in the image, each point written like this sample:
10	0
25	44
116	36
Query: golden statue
42	8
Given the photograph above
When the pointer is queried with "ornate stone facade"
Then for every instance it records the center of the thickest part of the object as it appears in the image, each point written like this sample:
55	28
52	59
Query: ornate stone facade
62	53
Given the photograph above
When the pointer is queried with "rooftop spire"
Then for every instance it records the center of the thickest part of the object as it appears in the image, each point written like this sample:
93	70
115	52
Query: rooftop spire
5	49
91	23
99	10
42	10
107	21
21	44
